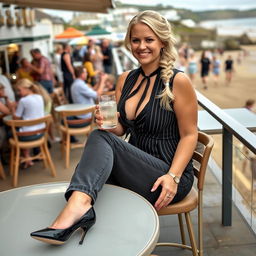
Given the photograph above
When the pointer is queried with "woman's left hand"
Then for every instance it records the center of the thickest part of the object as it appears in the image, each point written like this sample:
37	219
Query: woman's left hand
169	190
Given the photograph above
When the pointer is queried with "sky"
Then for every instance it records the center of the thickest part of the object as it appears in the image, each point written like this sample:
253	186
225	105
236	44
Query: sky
195	5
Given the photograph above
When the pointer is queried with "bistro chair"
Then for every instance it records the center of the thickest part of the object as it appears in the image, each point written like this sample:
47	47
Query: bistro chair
2	174
59	97
70	128
17	144
193	200
109	93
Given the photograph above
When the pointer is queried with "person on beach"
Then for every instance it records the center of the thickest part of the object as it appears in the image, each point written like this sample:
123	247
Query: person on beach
215	69
205	67
229	69
192	65
158	108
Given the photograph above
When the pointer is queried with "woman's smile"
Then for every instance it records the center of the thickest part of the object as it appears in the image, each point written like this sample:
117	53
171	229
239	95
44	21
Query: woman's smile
145	45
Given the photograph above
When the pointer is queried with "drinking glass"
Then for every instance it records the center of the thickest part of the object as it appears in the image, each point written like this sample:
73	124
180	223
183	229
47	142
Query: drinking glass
108	110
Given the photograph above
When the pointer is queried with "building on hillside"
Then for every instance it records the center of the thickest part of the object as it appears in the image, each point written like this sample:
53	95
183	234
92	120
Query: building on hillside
22	29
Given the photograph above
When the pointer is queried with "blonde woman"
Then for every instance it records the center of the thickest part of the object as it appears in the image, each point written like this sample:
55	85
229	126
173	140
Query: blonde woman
158	108
30	106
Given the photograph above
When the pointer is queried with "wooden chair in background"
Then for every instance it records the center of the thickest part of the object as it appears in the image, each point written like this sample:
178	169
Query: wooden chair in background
2	174
17	145
109	93
68	131
193	200
59	97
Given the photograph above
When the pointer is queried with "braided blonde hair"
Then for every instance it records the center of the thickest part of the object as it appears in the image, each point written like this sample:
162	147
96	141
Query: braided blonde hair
162	28
26	83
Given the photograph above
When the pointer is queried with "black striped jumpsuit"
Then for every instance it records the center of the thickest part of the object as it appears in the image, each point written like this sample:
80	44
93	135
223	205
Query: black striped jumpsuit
136	165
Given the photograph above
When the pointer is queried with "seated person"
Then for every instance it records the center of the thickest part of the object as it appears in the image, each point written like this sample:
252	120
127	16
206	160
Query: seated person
30	106
5	109
82	93
110	83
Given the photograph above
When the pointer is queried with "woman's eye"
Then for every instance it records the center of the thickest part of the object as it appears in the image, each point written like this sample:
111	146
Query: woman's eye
135	40
149	40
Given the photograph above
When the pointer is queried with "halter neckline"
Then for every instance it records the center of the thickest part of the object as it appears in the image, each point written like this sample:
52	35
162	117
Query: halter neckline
147	79
150	75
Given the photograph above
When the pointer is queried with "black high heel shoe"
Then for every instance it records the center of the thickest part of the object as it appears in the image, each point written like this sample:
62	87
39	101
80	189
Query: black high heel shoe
60	236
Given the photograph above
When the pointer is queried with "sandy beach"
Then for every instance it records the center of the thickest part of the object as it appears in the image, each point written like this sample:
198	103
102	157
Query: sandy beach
242	87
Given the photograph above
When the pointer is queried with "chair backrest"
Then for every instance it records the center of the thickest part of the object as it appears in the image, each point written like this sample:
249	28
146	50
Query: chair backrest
201	156
59	97
14	124
109	93
66	113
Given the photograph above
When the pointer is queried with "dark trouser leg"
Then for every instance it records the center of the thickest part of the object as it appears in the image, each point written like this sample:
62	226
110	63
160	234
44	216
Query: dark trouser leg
107	158
68	80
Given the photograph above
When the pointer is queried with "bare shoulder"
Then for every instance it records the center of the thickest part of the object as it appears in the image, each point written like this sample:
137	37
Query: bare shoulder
182	83
121	80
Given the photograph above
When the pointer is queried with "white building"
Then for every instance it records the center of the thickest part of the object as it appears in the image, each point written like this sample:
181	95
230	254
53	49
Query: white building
21	31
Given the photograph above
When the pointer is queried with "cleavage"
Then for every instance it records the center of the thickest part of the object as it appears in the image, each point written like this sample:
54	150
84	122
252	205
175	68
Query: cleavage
131	103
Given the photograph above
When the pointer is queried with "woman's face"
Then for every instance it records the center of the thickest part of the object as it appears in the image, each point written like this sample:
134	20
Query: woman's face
23	91
145	45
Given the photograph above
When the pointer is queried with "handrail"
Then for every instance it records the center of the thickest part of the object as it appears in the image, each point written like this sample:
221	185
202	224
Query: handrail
233	126
118	65
129	55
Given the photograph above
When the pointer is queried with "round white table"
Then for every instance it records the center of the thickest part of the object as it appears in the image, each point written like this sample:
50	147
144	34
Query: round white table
72	107
126	225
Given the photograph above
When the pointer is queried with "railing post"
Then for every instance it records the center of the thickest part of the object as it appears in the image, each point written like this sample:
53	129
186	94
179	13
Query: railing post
227	152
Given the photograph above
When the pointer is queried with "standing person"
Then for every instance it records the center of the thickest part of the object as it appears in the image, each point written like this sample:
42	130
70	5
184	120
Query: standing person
158	108
88	65
42	67
97	59
30	106
57	62
14	63
182	62
107	56
24	71
215	69
67	70
229	69
205	67
192	65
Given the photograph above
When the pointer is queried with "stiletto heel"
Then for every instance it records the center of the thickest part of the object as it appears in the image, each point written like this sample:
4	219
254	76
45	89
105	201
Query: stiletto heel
88	225
83	236
60	236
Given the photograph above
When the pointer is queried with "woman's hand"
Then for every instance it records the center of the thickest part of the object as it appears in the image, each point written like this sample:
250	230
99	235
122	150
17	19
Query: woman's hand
99	120
169	190
98	117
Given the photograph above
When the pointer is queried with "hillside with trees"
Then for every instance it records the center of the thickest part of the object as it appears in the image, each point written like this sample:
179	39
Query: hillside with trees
197	16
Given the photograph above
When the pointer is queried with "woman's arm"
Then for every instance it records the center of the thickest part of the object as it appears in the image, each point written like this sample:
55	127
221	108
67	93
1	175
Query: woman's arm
185	108
4	109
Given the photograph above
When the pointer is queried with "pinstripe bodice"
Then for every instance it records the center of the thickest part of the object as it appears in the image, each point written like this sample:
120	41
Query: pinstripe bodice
154	130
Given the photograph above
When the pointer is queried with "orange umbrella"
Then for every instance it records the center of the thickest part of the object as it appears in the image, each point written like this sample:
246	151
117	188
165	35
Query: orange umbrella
69	33
79	40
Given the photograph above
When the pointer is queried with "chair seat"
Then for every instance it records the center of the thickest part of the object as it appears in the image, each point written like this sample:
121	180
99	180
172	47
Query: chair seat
74	131
189	203
28	144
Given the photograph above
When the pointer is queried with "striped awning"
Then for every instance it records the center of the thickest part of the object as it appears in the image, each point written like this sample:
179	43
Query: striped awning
71	5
